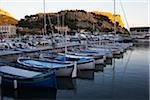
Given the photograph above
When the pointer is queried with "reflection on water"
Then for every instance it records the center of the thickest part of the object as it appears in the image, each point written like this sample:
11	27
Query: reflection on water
124	78
108	62
87	74
99	68
120	56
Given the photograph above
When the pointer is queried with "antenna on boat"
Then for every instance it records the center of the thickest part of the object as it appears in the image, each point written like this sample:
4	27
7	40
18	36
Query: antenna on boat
45	31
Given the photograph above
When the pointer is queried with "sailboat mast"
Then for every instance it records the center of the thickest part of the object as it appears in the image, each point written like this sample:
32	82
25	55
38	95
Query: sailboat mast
63	20
115	17
58	22
45	31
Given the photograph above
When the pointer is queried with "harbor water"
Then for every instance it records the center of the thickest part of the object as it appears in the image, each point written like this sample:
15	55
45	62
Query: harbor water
123	78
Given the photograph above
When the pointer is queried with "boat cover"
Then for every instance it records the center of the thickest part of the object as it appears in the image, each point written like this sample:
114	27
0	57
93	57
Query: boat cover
44	64
18	72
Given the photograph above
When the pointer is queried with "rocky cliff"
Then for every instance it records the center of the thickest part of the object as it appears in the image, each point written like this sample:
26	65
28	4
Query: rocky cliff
74	19
6	18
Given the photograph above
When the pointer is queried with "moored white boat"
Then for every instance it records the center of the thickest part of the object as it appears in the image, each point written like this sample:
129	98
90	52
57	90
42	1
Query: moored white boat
98	58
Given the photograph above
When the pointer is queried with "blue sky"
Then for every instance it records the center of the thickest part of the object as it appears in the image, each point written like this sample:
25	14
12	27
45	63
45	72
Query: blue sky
137	11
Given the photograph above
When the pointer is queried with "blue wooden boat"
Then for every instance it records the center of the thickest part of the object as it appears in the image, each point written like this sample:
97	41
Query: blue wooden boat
63	69
83	63
22	78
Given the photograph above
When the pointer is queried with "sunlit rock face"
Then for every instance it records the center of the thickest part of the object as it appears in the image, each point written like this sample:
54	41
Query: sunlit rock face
111	17
7	18
2	12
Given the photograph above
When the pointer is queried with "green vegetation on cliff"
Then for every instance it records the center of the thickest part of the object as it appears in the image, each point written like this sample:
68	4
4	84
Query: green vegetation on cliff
74	19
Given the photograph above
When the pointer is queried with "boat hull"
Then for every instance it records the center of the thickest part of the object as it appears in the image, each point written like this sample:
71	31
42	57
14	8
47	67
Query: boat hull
64	72
86	66
40	82
99	61
116	52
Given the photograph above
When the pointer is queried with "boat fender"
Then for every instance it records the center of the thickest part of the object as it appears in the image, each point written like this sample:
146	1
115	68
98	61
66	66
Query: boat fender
74	73
15	84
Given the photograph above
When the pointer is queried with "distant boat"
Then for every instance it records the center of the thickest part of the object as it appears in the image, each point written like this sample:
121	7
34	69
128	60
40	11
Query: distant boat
114	49
98	58
102	51
63	69
22	78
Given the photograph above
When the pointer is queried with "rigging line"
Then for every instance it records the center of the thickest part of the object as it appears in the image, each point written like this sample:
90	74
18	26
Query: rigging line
124	13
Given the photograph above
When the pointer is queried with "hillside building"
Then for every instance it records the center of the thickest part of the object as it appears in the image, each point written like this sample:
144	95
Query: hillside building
62	29
7	30
140	32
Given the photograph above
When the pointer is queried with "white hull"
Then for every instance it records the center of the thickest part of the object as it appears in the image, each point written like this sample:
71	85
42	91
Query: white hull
86	66
116	52
109	56
64	72
99	61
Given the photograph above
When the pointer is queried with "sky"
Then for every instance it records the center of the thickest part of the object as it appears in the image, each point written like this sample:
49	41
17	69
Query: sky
137	11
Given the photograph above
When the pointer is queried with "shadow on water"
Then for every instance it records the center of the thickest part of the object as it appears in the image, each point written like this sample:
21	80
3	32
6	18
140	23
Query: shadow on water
26	94
66	84
37	94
